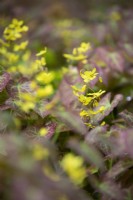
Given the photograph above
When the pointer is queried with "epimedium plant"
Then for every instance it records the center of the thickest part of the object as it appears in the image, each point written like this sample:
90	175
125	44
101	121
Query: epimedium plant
94	149
15	57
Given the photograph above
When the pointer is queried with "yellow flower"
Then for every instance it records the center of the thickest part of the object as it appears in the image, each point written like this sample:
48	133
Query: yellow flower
12	58
94	112
25	106
89	112
42	52
76	90
48	171
44	77
43	92
20	46
26	55
88	76
27	97
84	113
14	30
75	58
41	62
85	100
33	85
12	69
79	53
73	166
39	152
96	95
103	123
85	46
43	132
115	16
100	79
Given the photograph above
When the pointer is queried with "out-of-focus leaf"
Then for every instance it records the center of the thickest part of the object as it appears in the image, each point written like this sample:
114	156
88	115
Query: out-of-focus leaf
93	135
120	167
124	144
110	59
51	127
89	152
111	190
65	92
72	120
128	118
40	108
4	107
26	176
12	88
109	106
116	61
10	103
4	79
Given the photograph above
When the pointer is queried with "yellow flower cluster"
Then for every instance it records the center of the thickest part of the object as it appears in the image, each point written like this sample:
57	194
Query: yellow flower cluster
115	16
28	100
16	58
14	30
80	53
88	76
73	166
40	84
89	100
13	54
40	152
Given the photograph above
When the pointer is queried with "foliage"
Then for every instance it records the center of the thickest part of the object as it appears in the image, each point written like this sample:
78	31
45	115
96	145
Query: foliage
66	133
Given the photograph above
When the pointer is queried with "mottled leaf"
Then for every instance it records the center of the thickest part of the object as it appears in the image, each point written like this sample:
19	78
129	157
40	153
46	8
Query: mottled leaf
51	127
111	190
89	152
65	93
12	88
4	79
41	110
4	107
124	144
109	106
72	120
120	167
128	118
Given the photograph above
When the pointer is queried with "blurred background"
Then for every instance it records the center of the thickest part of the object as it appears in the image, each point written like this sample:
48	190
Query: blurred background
62	25
51	9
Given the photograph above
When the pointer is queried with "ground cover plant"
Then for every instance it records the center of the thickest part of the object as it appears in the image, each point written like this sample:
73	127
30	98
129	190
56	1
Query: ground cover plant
67	133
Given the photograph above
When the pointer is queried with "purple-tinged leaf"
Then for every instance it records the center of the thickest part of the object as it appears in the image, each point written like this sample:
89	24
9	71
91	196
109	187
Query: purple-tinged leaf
41	110
10	103
111	190
124	143
93	135
51	127
120	167
89	152
110	59
115	61
12	89
65	92
25	87
128	118
4	107
108	105
107	60
4	79
72	120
